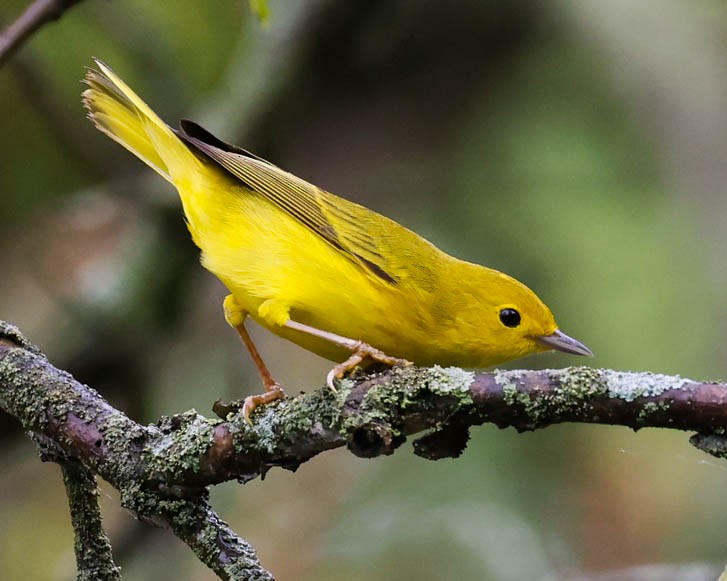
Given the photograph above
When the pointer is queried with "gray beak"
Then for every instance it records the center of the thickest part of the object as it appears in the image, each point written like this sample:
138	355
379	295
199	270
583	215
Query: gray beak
562	342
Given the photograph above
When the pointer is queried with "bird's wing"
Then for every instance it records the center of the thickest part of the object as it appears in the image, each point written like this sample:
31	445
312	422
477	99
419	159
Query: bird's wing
339	222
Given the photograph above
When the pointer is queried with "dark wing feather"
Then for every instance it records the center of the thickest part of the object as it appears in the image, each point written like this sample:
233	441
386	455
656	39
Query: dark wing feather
301	200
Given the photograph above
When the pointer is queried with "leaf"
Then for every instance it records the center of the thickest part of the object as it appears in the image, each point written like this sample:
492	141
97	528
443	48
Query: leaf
260	10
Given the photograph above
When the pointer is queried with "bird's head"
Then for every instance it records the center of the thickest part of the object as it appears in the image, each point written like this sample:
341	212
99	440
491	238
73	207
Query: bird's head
509	320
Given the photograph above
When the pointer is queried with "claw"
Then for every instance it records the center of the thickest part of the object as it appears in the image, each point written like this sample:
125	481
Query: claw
252	402
362	351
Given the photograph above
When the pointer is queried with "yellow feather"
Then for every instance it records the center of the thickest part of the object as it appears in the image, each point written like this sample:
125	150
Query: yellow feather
288	250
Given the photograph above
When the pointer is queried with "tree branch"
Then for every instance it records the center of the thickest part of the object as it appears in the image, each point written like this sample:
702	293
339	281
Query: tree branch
194	521
71	420
39	13
92	546
162	470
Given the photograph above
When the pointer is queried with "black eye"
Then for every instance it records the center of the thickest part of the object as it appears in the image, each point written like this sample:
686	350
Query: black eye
510	317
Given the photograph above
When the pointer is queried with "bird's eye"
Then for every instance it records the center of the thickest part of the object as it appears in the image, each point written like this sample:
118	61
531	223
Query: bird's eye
510	318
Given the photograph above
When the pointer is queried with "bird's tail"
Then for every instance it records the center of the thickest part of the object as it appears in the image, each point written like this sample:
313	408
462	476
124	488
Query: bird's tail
121	114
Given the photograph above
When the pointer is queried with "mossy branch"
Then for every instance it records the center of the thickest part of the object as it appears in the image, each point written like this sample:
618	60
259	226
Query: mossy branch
163	470
91	545
72	423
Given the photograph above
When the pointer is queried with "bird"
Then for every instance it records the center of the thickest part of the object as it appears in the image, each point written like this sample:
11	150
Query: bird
330	275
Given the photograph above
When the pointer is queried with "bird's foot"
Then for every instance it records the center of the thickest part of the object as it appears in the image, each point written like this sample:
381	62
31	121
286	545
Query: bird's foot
361	352
273	392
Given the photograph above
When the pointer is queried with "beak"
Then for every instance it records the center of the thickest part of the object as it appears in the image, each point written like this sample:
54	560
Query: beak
562	342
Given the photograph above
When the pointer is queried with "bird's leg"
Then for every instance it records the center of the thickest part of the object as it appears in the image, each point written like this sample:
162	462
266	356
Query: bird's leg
236	316
359	351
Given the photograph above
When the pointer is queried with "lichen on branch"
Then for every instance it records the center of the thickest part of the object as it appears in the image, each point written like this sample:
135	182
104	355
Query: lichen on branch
162	471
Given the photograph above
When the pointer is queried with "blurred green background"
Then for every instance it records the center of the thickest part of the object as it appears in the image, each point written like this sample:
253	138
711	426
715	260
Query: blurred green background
579	146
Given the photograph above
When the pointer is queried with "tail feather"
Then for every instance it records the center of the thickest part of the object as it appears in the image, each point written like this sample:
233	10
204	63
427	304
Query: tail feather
121	114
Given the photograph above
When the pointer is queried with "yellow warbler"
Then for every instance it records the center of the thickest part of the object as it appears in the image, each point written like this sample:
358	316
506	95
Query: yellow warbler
330	275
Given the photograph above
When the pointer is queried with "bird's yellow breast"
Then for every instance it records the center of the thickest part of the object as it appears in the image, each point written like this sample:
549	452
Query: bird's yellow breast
263	255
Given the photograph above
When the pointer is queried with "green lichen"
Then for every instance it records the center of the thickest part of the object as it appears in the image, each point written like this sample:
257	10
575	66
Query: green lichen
281	424
193	521
11	333
507	380
577	387
450	381
240	571
29	391
648	410
181	442
91	545
289	423
405	387
580	383
570	392
653	408
571	395
630	386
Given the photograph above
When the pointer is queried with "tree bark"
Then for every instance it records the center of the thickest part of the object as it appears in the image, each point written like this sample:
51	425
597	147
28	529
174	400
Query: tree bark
162	471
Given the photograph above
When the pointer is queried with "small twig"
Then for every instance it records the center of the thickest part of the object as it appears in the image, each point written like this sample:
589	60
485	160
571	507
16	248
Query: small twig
92	547
36	15
195	522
